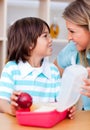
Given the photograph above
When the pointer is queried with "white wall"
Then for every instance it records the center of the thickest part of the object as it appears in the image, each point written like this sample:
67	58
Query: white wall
23	8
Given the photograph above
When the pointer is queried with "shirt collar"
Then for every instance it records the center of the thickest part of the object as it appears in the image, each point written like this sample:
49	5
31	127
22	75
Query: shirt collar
25	69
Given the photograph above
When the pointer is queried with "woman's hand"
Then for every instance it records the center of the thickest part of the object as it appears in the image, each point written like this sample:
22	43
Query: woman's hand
14	105
71	112
86	88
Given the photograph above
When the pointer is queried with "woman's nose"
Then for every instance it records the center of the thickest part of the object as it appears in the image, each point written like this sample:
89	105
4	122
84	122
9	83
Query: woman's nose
69	37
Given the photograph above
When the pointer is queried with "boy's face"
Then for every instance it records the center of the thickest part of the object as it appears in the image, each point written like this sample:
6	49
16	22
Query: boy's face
44	45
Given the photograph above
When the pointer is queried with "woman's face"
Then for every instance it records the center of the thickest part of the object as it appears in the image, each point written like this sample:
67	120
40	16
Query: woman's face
78	34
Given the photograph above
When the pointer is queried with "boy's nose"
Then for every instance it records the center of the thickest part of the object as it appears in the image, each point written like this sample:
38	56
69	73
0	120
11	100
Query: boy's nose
50	39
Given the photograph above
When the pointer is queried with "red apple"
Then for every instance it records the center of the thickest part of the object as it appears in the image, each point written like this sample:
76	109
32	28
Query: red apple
24	100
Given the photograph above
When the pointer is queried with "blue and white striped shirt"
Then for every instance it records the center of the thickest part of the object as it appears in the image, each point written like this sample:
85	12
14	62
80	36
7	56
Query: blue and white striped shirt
41	83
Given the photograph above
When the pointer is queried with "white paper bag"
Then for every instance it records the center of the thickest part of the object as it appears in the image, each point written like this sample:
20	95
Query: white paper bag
71	83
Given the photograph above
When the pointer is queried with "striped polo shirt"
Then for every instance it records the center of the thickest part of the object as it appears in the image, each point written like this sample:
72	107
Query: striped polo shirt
41	83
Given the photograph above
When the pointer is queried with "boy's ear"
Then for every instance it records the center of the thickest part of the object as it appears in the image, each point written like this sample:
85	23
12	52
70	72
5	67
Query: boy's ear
31	46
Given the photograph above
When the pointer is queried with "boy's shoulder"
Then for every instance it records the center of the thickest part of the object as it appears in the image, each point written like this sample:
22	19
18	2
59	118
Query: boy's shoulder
53	67
54	70
11	64
9	68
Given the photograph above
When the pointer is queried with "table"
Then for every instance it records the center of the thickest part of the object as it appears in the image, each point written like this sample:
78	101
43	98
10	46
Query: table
81	121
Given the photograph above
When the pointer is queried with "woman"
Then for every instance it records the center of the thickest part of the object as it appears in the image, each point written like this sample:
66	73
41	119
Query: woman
77	17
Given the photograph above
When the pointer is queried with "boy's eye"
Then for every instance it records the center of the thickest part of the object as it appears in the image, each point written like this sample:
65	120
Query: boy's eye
45	35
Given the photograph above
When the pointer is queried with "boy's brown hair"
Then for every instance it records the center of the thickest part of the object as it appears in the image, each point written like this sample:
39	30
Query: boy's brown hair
23	34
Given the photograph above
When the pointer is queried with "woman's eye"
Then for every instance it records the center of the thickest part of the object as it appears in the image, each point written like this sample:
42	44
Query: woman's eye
71	31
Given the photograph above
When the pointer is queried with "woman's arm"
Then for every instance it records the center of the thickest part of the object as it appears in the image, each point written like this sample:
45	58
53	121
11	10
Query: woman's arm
86	88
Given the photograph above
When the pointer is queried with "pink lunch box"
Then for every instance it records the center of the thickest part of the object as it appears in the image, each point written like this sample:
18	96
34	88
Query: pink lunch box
40	119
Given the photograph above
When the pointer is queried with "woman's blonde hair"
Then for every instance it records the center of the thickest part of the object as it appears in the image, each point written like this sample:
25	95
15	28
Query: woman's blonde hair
78	12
